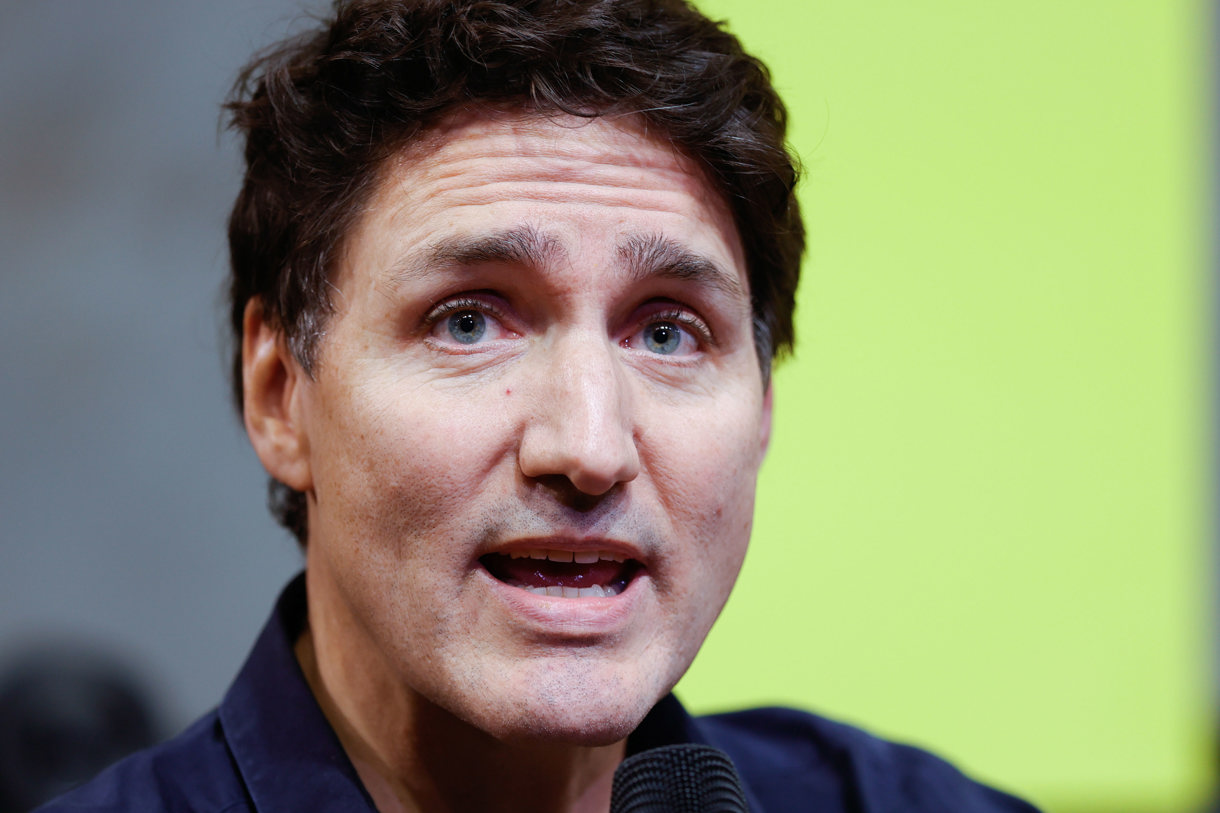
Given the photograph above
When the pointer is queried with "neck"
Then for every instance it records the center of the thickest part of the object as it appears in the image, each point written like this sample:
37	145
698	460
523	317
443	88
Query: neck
412	755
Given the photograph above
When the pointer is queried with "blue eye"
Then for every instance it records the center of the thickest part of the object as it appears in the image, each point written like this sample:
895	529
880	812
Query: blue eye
662	337
467	327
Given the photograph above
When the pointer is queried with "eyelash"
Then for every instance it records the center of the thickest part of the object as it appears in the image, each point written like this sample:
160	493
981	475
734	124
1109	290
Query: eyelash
443	309
684	318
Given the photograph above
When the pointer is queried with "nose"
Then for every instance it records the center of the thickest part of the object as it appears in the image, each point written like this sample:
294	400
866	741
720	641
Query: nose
582	426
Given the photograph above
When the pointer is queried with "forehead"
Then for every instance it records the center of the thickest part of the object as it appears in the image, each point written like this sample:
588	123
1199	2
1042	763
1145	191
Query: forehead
570	181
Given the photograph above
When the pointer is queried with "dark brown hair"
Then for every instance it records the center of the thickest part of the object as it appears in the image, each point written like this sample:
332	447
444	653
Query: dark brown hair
321	113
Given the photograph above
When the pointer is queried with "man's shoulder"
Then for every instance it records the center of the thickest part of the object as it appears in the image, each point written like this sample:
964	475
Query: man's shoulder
191	773
786	755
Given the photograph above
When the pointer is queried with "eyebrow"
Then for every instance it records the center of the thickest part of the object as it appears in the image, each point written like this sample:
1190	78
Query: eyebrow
521	245
653	255
643	257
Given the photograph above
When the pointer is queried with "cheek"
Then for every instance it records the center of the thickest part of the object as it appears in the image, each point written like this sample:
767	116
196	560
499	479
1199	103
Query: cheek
706	485
404	463
709	499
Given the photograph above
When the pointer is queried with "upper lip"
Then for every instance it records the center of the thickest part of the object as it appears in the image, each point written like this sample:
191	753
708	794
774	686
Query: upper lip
618	547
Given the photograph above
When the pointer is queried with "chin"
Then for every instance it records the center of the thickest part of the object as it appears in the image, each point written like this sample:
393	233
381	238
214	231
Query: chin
574	713
588	730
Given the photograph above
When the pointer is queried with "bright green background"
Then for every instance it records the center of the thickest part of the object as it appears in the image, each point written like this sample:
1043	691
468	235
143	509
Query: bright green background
983	525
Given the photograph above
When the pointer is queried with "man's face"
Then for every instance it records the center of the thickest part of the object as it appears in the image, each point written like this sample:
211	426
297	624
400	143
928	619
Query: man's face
534	429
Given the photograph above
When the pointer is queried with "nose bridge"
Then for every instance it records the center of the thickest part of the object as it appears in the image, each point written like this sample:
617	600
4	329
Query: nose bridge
583	426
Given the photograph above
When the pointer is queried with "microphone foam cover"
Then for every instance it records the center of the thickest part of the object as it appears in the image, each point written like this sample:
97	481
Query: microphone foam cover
687	778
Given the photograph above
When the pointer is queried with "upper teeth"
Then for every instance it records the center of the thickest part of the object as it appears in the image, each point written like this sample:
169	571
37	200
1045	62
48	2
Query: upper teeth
580	557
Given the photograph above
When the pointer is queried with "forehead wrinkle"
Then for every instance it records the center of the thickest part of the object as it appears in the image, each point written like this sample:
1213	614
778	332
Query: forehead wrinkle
654	255
521	245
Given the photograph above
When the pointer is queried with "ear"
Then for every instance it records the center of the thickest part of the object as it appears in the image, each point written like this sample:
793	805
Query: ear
272	387
764	434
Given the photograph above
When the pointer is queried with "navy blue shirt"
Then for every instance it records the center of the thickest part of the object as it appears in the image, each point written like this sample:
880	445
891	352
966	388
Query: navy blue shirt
268	748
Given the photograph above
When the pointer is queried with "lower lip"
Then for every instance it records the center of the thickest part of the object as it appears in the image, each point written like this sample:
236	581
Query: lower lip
571	617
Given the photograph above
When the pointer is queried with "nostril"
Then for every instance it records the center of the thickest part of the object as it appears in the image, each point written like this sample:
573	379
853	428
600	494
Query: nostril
568	494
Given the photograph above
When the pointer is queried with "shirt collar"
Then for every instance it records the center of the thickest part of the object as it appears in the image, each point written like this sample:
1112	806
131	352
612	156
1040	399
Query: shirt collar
286	751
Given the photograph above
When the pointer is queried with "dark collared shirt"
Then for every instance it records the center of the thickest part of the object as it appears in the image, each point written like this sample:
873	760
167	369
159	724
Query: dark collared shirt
268	748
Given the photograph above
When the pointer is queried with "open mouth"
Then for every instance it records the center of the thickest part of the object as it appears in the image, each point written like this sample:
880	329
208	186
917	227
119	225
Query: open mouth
563	573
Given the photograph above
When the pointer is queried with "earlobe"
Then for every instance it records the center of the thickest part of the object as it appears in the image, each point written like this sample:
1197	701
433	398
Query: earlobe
272	384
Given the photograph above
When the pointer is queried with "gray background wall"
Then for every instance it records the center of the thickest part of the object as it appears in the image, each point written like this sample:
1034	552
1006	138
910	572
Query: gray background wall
131	505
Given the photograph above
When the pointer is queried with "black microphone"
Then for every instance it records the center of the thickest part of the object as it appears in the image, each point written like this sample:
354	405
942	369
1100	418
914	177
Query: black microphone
686	778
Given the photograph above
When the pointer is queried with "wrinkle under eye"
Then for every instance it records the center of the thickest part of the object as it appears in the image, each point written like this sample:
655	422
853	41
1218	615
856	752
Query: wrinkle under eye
467	327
